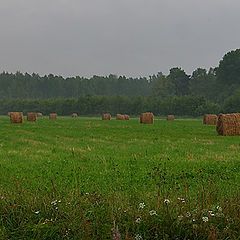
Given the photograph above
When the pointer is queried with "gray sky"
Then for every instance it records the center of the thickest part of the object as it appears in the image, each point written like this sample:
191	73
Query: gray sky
124	37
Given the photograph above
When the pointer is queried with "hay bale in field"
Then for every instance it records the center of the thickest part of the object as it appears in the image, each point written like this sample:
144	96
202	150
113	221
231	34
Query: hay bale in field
74	115
228	124
31	116
9	114
52	116
210	119
120	117
39	114
147	118
126	117
16	117
106	116
170	117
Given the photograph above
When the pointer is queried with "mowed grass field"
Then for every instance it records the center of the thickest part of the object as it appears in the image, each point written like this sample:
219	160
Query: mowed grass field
85	178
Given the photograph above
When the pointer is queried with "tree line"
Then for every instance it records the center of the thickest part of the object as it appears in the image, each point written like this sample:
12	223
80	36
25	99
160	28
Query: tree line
204	91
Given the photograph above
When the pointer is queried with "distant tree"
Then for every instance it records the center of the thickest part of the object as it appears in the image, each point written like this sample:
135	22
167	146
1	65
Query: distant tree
228	71
180	80
161	85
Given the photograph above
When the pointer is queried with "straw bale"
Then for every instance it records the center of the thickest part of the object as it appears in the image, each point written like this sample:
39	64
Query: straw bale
147	118
9	114
120	117
126	116
74	115
228	124
16	117
31	116
39	114
210	119
170	117
52	116
106	116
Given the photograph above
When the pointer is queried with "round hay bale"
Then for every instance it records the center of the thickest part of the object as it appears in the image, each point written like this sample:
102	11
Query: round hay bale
210	119
31	116
147	118
106	116
74	115
52	116
228	124
120	117
39	114
16	117
170	117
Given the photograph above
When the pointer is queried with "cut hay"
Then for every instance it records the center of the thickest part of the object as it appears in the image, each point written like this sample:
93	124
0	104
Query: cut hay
9	114
228	124
39	114
120	117
126	116
106	116
16	117
147	118
31	116
74	115
210	119
170	117
52	116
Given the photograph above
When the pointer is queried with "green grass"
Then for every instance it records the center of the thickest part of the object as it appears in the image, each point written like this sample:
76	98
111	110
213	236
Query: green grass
101	171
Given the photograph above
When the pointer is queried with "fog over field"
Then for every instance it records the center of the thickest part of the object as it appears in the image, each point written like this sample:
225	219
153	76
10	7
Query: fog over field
126	37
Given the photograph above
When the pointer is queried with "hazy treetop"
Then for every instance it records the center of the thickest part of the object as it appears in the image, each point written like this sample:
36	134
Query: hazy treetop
123	37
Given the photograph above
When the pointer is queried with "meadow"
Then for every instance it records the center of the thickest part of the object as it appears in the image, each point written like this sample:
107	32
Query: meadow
85	178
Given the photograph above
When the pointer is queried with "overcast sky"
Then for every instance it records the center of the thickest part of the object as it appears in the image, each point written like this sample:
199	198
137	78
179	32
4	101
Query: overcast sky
124	37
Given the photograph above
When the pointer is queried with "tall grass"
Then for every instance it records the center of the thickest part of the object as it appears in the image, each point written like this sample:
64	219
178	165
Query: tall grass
91	179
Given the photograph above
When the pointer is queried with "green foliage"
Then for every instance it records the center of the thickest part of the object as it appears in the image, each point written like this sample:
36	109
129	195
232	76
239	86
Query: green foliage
89	179
232	104
95	105
228	72
180	80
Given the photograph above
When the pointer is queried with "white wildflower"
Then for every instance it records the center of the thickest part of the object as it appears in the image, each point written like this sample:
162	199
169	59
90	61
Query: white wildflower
138	220
180	217
141	205
219	208
188	214
167	201
211	213
37	212
138	237
205	219
54	202
152	212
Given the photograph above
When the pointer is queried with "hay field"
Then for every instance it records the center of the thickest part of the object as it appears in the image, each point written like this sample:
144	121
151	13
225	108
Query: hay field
85	178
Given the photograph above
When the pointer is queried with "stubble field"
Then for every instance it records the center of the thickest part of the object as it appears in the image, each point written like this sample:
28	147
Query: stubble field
86	178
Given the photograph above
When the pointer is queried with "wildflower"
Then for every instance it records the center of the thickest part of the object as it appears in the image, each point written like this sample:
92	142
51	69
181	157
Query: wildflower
180	217
194	220
112	229
152	212
211	213
141	205
138	237
59	201
54	202
37	212
181	200
167	201
219	208
138	220
56	208
188	214
205	219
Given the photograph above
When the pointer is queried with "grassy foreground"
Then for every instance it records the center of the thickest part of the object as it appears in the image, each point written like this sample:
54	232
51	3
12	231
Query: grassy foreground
86	178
